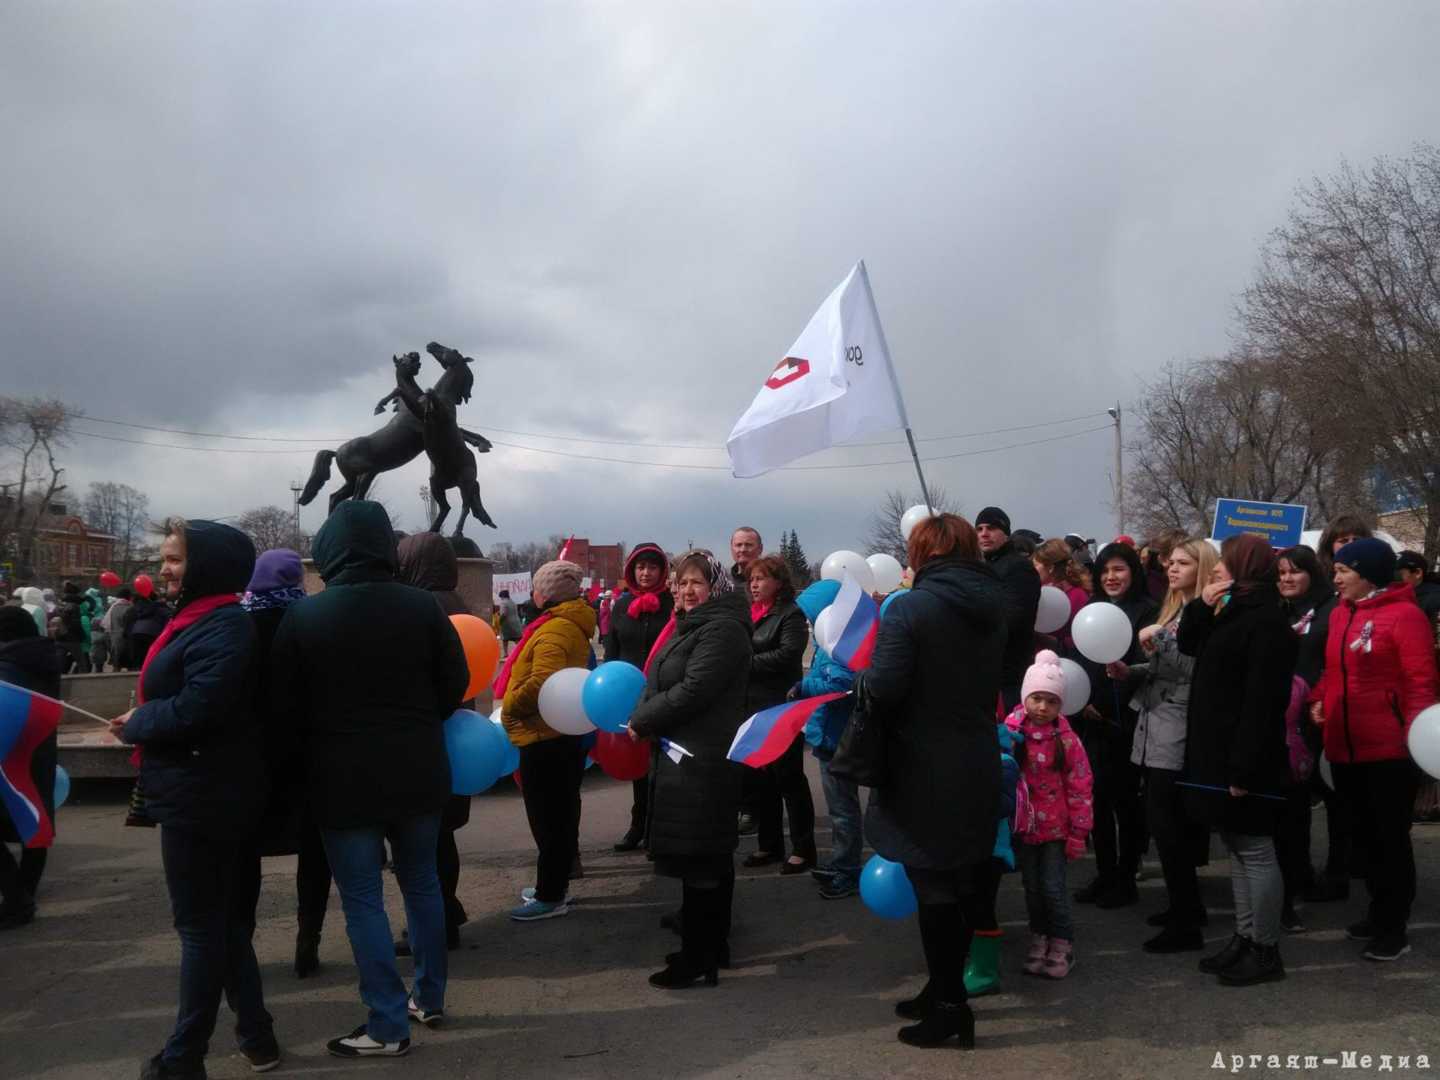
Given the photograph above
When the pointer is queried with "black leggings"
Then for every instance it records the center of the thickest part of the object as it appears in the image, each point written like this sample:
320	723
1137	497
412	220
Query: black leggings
550	774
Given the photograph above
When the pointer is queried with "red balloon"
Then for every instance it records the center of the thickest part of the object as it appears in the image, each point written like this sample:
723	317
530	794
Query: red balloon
109	578
621	757
144	586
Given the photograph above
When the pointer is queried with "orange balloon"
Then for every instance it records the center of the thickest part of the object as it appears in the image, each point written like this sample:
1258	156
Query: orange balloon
482	651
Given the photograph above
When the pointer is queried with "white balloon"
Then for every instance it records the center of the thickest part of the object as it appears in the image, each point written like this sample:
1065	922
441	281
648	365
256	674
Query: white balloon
827	632
1102	633
838	563
1054	610
1425	740
1077	688
913	517
887	571
560	706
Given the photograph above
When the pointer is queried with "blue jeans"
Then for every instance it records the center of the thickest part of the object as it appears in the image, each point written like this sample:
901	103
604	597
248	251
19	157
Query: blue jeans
847	831
214	881
1047	901
356	856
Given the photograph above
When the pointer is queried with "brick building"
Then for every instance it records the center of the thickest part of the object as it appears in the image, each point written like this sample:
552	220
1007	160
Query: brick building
65	548
603	563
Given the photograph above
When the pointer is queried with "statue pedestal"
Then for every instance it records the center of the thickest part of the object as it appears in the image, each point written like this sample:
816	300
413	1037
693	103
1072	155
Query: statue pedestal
476	576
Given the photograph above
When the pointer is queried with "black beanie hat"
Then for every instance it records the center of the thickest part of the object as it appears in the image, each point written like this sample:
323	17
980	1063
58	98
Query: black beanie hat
1372	558
994	517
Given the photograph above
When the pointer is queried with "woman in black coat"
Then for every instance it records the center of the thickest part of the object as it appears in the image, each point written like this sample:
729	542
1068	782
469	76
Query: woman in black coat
694	703
1235	752
33	662
641	611
933	685
778	639
286	827
1107	728
203	777
427	561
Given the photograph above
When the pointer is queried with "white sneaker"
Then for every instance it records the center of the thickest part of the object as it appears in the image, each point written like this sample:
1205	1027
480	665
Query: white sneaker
359	1044
419	1015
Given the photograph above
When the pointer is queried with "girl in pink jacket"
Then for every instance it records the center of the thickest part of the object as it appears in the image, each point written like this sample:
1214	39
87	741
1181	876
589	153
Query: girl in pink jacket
1056	772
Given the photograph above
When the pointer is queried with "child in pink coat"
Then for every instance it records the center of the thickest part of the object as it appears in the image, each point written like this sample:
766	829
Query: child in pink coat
1056	772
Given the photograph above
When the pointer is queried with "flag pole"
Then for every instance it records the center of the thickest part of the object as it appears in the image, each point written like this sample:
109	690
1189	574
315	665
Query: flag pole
57	701
895	385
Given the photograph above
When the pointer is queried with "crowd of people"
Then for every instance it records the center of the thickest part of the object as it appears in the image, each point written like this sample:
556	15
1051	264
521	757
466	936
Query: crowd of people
268	722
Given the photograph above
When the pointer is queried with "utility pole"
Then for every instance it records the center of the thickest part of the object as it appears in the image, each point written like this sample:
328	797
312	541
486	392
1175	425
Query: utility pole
295	489
1119	474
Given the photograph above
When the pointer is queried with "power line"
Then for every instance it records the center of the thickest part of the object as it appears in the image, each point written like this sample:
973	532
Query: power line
564	438
629	461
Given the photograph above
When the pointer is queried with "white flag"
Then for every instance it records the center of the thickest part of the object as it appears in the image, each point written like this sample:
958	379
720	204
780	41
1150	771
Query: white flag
834	385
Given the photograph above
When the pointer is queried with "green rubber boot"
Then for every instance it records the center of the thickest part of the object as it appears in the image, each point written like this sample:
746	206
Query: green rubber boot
982	969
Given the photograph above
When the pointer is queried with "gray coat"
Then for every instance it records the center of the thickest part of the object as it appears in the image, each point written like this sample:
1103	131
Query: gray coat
1162	698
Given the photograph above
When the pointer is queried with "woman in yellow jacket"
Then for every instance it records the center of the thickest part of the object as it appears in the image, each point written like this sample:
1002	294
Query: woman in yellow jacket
551	764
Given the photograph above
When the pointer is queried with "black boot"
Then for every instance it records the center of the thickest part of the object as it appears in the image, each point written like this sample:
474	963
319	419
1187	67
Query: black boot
1175	939
943	1022
307	953
630	841
918	1007
1121	893
696	963
1090	893
1227	957
1259	964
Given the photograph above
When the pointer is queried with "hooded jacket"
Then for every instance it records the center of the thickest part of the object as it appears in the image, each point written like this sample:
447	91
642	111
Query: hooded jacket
826	676
632	634
1379	675
34	663
201	766
367	671
562	641
934	681
695	696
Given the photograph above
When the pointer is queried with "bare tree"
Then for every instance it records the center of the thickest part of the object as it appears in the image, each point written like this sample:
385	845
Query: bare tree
883	530
1233	427
31	430
124	513
268	526
1348	294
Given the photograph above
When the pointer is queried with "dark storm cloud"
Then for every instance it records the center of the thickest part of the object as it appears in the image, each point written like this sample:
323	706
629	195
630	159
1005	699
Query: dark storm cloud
230	216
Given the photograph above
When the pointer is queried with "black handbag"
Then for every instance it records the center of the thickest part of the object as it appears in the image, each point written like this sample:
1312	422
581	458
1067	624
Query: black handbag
860	755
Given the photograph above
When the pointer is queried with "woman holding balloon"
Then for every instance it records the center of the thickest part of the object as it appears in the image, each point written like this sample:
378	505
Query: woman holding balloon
1160	686
1057	567
641	611
932	688
1379	682
694	703
552	763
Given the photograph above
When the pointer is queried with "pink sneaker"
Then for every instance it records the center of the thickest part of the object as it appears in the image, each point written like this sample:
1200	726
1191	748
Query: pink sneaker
1035	958
1060	959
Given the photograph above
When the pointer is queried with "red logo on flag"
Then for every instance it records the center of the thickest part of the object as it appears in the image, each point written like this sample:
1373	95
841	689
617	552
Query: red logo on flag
797	369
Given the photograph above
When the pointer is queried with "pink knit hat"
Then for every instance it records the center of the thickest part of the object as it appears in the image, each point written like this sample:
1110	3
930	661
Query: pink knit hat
1045	676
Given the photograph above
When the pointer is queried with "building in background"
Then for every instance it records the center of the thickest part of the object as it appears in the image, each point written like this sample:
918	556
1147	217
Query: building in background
65	547
603	563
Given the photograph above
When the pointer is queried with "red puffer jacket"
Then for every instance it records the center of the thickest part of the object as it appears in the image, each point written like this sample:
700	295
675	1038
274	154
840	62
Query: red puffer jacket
1379	674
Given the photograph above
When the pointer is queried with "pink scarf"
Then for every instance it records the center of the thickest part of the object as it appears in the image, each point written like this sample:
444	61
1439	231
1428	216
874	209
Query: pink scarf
188	616
759	611
503	682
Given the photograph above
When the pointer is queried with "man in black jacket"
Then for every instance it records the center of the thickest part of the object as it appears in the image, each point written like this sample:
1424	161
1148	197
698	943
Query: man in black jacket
1022	586
368	671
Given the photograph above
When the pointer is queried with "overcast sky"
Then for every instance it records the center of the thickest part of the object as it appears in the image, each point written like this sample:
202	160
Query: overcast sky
227	217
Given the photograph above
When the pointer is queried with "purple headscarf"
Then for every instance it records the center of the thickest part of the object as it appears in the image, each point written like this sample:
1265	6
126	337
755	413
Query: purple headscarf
276	581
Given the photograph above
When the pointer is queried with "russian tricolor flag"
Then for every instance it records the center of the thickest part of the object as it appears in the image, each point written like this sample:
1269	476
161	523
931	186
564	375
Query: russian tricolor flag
26	721
769	733
857	617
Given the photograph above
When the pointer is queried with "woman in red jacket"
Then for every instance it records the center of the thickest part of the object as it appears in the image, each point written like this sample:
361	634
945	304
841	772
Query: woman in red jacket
1379	674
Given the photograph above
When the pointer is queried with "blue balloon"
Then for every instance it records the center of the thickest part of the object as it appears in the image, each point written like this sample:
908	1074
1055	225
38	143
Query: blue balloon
477	752
611	693
885	605
886	889
62	786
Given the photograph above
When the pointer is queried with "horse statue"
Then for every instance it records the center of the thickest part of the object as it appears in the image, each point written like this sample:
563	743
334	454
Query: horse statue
452	465
400	441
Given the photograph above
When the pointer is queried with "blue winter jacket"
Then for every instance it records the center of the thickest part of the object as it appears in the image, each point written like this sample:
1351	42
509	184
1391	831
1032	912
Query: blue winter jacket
826	676
1009	778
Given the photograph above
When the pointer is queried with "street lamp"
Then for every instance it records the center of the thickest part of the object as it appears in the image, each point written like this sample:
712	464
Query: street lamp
296	487
1119	474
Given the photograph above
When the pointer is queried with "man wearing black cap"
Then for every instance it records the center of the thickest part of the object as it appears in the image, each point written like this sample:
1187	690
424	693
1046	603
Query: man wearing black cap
1410	568
1022	584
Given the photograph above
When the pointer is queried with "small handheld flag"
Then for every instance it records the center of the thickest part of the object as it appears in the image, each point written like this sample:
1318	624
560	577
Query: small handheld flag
26	721
855	622
769	733
674	751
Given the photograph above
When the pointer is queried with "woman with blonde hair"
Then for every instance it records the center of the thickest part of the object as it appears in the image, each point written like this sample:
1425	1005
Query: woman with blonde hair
1161	697
1056	564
